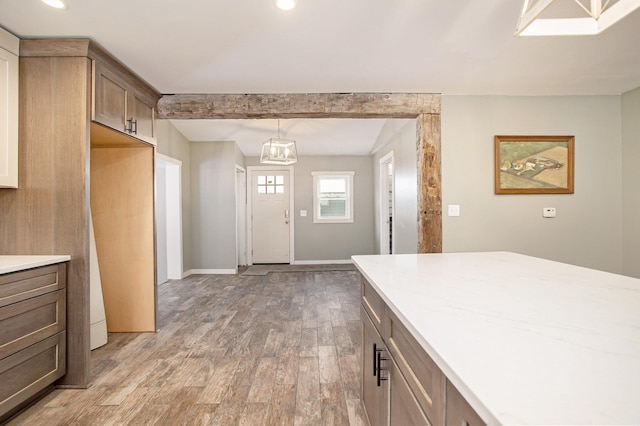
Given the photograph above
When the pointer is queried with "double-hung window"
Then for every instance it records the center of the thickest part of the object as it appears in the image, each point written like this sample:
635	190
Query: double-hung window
332	197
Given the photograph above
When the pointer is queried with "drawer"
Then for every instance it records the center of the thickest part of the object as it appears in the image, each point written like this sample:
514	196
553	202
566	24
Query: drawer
24	285
29	371
424	378
27	322
373	304
459	412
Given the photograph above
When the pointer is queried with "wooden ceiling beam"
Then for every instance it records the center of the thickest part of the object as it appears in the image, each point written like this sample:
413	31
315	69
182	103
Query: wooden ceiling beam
298	105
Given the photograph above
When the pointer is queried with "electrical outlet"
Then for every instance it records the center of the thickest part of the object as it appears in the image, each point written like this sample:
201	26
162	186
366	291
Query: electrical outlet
549	212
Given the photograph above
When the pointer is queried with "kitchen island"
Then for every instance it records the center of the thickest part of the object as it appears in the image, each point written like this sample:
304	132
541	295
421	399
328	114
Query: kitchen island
523	340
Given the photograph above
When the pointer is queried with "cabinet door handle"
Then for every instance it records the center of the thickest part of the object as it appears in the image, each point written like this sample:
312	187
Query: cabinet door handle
379	359
375	366
132	126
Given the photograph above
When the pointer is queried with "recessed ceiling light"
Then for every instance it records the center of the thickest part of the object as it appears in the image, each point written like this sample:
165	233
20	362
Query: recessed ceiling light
58	4
286	4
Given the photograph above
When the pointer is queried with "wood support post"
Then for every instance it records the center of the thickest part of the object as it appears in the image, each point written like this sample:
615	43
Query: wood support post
429	183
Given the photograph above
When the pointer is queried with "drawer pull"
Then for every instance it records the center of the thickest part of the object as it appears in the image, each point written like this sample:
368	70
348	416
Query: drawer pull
378	363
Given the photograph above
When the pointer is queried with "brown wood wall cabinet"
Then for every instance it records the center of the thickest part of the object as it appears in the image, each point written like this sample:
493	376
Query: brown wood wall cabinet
32	334
401	384
49	213
121	105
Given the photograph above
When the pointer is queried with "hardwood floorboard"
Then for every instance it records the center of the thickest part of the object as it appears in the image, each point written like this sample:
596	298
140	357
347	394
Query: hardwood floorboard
280	349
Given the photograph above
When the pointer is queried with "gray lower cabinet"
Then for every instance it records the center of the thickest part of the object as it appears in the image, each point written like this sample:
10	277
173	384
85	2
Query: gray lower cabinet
401	384
32	334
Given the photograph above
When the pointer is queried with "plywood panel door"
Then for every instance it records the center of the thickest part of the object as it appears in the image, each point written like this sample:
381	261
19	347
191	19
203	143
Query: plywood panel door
123	218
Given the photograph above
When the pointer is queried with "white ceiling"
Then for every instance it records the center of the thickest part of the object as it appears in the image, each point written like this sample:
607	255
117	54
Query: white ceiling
249	46
312	136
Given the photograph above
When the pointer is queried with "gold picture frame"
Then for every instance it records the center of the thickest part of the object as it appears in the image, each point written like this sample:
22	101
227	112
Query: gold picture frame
534	164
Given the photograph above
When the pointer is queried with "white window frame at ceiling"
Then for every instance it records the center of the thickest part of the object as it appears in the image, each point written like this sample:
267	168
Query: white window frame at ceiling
348	177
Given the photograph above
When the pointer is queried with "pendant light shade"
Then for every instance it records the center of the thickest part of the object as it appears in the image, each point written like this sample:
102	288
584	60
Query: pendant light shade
555	18
279	151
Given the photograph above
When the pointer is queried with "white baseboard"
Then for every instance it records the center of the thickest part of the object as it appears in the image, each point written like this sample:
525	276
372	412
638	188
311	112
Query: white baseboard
209	272
322	262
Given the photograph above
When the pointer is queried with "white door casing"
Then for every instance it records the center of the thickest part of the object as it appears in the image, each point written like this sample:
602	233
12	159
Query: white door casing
241	215
270	202
169	217
387	205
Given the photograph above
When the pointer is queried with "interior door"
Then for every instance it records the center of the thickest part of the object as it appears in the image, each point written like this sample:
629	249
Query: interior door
271	216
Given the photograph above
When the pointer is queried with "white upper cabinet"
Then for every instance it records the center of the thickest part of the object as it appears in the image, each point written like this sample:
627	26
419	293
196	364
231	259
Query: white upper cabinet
9	49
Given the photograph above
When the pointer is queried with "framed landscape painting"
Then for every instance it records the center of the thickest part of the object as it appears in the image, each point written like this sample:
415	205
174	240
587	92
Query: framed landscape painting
534	164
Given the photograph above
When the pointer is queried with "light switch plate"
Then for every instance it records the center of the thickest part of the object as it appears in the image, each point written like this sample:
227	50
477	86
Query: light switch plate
303	213
549	212
454	210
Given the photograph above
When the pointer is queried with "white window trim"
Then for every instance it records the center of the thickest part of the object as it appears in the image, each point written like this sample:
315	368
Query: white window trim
350	195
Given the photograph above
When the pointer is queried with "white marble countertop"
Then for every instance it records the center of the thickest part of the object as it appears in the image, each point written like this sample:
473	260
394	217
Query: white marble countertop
20	263
525	340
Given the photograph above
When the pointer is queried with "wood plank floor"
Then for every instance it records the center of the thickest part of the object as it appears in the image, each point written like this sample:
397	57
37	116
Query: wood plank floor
280	349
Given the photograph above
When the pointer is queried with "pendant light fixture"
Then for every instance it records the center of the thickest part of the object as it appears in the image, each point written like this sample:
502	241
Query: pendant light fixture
279	151
550	17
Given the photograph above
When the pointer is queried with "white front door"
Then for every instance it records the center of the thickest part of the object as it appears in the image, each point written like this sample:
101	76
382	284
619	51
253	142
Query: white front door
271	216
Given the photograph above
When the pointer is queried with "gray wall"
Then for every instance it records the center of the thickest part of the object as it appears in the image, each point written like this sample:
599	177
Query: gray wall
631	182
332	241
213	205
398	136
172	144
587	230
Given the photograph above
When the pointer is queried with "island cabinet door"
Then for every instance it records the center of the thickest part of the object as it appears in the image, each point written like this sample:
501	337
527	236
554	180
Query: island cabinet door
375	385
459	412
404	409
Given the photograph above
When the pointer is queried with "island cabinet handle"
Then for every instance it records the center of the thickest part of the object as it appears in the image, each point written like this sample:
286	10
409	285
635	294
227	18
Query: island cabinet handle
379	359
375	367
